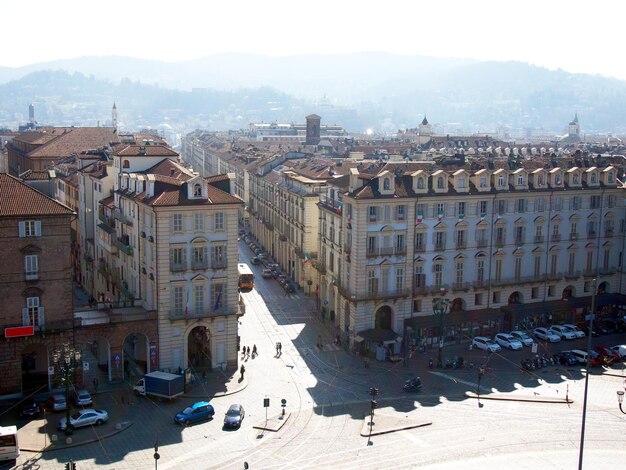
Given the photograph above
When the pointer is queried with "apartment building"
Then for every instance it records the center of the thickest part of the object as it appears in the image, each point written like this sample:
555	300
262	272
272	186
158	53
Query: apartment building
506	244
35	283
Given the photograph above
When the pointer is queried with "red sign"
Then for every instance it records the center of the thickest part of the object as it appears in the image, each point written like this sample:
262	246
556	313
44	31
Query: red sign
19	331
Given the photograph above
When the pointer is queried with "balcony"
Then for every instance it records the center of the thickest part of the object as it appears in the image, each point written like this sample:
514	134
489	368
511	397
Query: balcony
538	238
439	246
500	242
109	221
347	249
124	245
591	235
480	284
589	273
119	215
608	232
573	237
282	238
191	313
608	270
125	290
461	286
378	295
300	253
200	265
571	275
218	263
519	241
482	243
420	290
556	237
321	267
554	276
330	204
420	248
460	245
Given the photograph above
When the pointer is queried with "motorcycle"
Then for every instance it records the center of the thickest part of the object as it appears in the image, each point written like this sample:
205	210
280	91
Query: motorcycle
413	385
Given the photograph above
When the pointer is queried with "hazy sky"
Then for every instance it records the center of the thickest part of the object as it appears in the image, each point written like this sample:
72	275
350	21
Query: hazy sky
573	35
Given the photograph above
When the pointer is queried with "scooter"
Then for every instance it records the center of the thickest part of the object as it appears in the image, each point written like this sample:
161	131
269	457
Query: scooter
413	385
430	364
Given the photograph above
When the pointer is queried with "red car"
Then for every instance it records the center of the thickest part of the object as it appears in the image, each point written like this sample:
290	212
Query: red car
607	356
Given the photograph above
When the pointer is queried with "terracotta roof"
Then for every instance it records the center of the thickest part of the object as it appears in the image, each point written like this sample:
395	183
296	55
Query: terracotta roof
169	169
35	137
19	199
42	175
74	140
136	150
108	201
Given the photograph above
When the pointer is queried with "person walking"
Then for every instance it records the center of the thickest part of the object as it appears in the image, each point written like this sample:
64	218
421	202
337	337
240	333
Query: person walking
242	370
254	351
277	348
280	348
95	385
248	351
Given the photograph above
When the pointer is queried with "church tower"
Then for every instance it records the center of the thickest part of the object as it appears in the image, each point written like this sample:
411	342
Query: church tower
425	128
574	126
114	116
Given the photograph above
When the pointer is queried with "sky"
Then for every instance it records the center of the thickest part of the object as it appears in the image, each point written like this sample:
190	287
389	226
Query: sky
574	35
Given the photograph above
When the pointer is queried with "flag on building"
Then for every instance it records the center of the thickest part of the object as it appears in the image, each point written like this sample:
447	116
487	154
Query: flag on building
218	298
187	303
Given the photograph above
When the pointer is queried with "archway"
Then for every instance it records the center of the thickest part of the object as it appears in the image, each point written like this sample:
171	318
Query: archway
603	288
568	292
457	305
382	319
135	351
34	368
515	298
99	360
199	350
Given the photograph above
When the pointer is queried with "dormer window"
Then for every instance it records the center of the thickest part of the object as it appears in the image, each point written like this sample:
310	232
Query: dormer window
125	164
611	178
420	183
483	181
386	184
440	182
197	190
557	179
501	180
575	178
520	180
461	183
593	178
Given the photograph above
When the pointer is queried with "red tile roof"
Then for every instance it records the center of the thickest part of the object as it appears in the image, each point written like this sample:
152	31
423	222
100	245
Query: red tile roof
19	199
72	141
147	150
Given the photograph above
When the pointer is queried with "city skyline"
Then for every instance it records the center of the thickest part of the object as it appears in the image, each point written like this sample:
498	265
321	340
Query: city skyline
555	35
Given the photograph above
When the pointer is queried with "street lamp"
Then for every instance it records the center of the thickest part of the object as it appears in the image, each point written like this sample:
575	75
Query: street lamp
66	359
440	308
620	399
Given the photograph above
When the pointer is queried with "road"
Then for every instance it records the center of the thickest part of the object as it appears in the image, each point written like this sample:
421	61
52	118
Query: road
327	399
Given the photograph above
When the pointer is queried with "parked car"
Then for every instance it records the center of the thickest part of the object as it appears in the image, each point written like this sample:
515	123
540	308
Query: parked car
56	402
619	349
577	331
615	326
602	328
585	328
607	355
255	260
566	358
266	274
523	338
546	335
84	418
594	360
234	416
509	342
486	344
197	412
29	408
562	332
82	398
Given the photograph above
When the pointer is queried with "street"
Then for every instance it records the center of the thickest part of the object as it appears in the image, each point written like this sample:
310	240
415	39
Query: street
326	393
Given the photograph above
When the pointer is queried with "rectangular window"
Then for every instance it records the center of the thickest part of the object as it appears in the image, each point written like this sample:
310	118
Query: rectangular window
386	212
373	213
30	228
589	261
462	183
177	222
219	221
498	273
32	312
605	261
420	241
199	258
459	274
460	209
218	256
441	207
400	212
518	268
31	266
540	204
587	286
521	205
419	210
478	299
576	203
571	262
594	202
440	240
591	228
480	271
481	237
460	239
400	244
501	207
198	298
399	279
500	236
496	297
482	208
198	222
371	245
534	293
519	234
178	306
558	203
420	278
537	266
417	305
553	264
218	297
438	274
610	200
551	291
372	283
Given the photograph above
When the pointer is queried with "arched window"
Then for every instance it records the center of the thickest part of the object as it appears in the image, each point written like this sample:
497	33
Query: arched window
593	177
420	183
197	190
557	179
540	180
386	184
440	182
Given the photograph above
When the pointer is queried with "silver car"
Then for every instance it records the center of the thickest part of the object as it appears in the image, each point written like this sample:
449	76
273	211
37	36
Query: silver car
546	335
82	398
507	341
86	417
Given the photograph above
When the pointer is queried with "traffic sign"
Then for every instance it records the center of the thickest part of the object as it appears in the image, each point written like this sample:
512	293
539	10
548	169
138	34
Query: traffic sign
266	402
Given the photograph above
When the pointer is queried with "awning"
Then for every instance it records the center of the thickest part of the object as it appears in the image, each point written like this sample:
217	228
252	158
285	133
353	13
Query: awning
452	318
380	335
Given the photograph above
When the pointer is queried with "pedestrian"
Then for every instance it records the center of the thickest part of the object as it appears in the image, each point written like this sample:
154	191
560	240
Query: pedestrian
254	351
95	385
243	351
277	348
242	370
366	362
248	351
280	348
319	341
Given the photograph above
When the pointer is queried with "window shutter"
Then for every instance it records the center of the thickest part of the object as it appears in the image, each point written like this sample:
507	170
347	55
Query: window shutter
25	317
41	317
22	229
38	228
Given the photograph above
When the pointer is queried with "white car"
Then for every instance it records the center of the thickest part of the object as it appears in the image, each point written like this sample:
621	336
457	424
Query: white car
563	332
85	417
619	349
486	344
523	338
507	341
577	331
546	335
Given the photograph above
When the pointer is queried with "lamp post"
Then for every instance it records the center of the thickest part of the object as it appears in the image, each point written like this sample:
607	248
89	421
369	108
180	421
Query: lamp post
440	308
66	359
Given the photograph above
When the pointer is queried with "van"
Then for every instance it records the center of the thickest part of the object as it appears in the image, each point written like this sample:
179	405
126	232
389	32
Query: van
581	356
9	447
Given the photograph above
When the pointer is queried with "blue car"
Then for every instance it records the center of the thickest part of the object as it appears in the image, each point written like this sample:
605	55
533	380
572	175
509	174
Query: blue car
199	411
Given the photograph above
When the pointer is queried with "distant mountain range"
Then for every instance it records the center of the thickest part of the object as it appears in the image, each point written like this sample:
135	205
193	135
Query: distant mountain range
377	90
